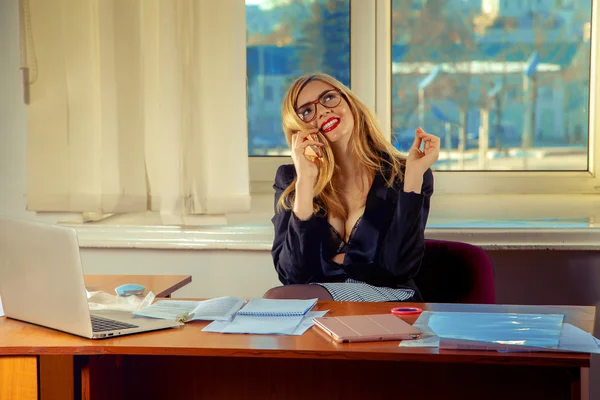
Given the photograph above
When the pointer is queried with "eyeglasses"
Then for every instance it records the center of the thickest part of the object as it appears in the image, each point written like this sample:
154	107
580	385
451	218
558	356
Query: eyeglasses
329	99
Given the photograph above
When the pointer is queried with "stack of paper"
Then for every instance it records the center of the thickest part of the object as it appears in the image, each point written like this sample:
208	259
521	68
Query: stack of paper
266	316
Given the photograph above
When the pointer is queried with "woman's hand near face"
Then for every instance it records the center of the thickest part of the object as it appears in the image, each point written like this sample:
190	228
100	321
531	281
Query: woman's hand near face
307	172
419	161
306	169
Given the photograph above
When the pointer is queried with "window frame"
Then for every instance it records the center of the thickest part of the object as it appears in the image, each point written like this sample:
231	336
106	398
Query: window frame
370	71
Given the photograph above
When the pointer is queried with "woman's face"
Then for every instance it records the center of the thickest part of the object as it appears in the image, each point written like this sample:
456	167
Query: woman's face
322	106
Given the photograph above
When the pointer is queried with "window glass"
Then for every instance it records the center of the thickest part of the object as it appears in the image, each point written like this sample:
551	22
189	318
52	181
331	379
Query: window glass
285	39
504	84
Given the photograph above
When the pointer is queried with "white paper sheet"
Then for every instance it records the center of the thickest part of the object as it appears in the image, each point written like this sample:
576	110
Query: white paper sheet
218	309
305	324
575	339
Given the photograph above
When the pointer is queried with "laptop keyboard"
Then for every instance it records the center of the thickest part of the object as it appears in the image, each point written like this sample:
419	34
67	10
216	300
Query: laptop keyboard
100	324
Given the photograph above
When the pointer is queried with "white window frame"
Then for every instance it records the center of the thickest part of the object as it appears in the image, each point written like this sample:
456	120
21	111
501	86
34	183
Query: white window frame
370	68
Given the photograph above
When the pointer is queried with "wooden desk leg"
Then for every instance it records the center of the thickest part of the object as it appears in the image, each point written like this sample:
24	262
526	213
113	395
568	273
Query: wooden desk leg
580	384
18	378
577	389
57	377
84	371
95	372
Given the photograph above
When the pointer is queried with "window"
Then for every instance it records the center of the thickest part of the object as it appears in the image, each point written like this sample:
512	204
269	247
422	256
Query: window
509	90
286	39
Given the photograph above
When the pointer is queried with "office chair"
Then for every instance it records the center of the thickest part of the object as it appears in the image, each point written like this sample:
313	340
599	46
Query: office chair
455	272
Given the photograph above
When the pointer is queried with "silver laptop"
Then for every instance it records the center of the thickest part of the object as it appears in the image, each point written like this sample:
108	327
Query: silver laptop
41	282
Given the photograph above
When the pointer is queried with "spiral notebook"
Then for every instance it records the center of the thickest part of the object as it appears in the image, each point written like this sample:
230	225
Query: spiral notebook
277	308
269	316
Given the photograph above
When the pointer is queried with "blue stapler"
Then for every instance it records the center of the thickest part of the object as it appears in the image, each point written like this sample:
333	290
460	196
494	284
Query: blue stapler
130	289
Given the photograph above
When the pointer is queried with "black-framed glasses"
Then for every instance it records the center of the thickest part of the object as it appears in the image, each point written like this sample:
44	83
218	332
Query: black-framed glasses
329	99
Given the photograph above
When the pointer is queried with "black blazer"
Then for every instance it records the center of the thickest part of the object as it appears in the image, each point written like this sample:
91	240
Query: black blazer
386	249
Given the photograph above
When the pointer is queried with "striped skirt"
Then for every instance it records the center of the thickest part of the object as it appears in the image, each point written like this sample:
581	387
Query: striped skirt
353	290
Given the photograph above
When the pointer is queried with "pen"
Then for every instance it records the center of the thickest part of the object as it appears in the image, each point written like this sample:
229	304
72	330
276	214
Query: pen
185	317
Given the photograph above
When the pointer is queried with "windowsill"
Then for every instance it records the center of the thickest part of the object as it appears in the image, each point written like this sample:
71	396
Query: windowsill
510	222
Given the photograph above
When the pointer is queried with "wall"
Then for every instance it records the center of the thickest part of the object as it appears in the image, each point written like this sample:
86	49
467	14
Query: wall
214	272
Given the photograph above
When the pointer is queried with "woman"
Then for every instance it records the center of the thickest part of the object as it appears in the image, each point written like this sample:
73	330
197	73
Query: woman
351	211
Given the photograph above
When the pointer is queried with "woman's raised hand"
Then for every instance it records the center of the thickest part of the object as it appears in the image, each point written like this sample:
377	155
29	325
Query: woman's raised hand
306	169
419	161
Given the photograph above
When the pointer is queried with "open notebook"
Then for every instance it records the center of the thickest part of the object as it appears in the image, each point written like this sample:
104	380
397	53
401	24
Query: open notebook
217	309
266	316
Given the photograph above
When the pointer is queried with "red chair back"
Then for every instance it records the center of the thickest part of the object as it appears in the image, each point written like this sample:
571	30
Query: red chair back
455	272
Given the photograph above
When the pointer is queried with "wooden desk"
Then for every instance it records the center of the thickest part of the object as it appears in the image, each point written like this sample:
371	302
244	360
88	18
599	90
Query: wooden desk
160	285
185	363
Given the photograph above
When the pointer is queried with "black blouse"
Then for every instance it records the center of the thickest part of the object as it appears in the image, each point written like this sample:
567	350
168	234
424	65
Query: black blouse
385	249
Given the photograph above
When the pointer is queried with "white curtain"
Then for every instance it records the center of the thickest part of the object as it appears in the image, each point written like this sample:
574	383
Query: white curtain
136	105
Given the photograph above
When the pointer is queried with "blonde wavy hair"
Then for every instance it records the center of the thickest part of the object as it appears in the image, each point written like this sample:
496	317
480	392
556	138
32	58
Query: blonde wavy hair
370	150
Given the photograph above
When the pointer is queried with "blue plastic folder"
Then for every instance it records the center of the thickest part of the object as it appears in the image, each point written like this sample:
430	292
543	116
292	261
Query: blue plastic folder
266	316
495	331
